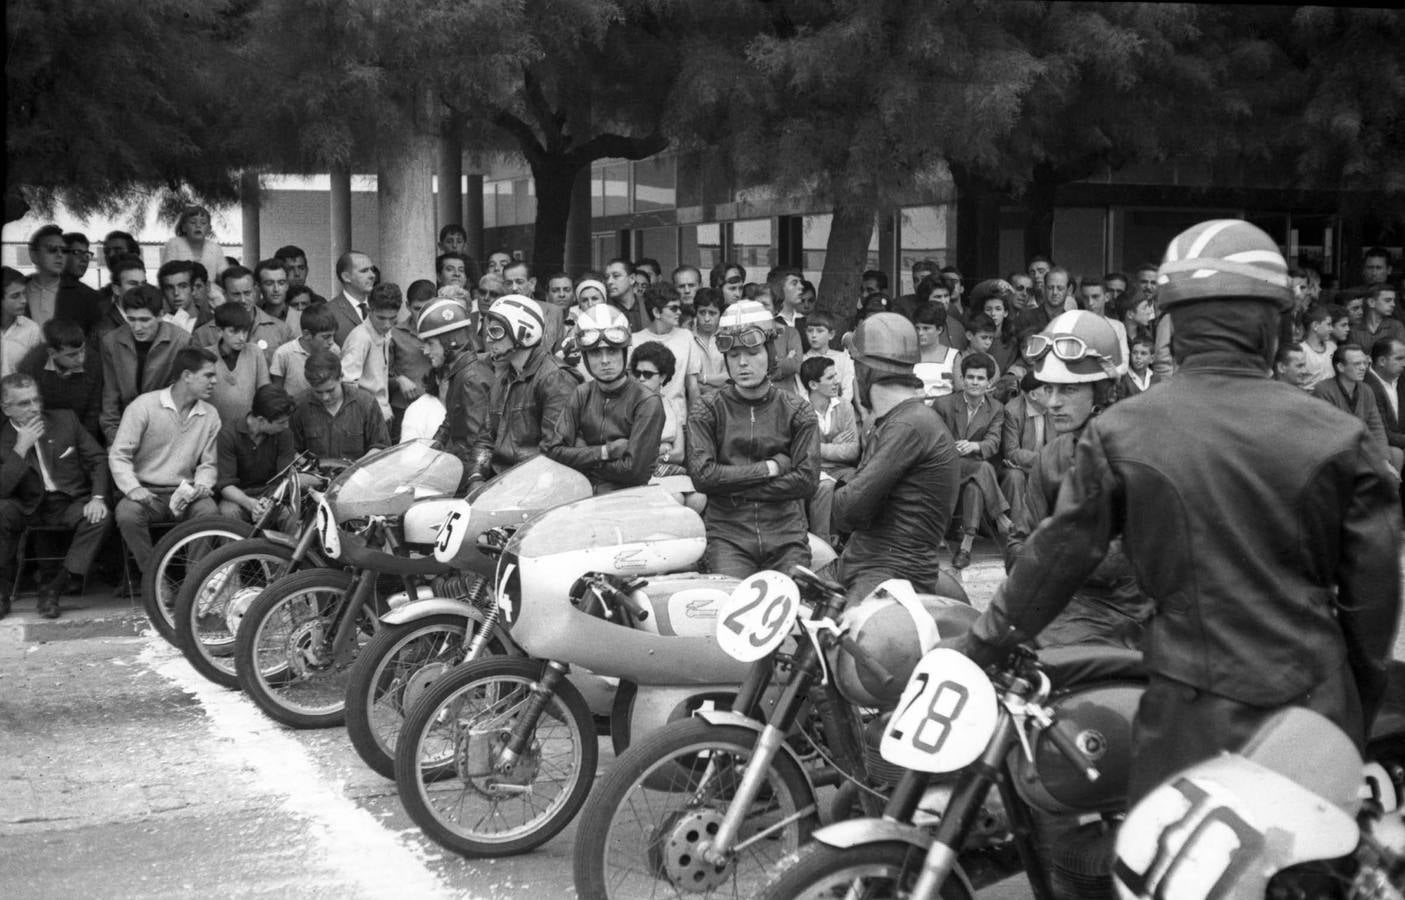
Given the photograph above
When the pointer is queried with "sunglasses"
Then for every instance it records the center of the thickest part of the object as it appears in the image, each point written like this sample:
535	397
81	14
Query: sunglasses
591	336
751	338
644	374
1066	347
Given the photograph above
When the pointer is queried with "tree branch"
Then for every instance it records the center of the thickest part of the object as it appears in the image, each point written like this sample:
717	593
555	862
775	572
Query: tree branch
618	146
542	112
523	134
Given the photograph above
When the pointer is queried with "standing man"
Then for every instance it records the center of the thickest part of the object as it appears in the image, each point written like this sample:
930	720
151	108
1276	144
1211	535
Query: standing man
466	378
686	281
79	254
754	450
1216	473
138	357
498	260
272	278
176	280
295	264
52	292
1383	378
267	333
897	505
356	275
451	267
1053	292
52	472
621	292
167	438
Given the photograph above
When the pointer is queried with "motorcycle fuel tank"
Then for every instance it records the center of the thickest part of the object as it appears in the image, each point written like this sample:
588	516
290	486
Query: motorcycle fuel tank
685	604
1099	717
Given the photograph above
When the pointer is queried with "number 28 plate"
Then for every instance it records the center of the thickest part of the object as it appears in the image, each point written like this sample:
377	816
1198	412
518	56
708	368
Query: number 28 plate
758	616
945	717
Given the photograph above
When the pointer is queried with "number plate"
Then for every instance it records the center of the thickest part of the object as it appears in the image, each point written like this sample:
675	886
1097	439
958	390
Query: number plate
758	616
327	529
946	715
451	534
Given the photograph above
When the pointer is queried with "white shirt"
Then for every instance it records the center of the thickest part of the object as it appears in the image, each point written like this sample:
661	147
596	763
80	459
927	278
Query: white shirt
1390	395
365	361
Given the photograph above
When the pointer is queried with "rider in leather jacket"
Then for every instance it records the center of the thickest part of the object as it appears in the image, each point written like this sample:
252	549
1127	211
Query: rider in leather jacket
1264	525
754	451
446	327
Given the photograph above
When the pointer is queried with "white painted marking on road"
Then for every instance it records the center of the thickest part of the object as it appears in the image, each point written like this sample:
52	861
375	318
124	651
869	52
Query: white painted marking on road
355	844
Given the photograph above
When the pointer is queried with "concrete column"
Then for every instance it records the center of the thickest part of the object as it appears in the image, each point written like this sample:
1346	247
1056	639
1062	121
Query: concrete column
473	221
578	248
341	223
406	203
889	242
449	200
249	210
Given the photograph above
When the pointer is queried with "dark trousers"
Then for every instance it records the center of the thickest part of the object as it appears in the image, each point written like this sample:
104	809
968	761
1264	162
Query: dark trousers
980	494
725	558
54	509
134	520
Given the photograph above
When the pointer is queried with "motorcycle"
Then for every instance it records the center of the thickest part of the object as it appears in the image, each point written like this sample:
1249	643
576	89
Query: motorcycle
498	756
710	803
378	520
454	619
1287	815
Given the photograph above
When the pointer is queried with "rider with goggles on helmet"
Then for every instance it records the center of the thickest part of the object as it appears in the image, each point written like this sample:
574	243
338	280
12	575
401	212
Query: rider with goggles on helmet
610	428
1264	524
1078	357
754	451
446	327
530	389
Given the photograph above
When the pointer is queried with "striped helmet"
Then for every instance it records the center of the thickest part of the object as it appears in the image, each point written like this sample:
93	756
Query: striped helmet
521	317
1223	258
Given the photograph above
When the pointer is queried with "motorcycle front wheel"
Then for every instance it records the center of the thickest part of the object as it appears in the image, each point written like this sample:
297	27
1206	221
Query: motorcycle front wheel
453	780
395	669
882	871
644	828
172	559
283	652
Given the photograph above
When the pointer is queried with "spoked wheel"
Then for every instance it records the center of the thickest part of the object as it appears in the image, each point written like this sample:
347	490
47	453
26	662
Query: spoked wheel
645	828
451	772
172	559
283	652
882	871
215	597
399	665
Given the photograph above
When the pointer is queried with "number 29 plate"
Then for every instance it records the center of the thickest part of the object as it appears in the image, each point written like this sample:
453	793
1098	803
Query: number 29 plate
945	717
758	616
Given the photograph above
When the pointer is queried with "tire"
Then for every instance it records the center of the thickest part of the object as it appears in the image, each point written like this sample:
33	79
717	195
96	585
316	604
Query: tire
889	870
172	558
640	830
281	652
206	624
438	745
395	669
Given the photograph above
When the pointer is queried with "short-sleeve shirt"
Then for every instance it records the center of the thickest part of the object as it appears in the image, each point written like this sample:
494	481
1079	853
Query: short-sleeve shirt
289	362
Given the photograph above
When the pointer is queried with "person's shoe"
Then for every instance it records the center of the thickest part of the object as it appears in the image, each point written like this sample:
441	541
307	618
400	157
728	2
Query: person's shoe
961	559
49	604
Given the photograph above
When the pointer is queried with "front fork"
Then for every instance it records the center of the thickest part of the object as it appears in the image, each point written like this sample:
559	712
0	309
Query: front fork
344	641
525	726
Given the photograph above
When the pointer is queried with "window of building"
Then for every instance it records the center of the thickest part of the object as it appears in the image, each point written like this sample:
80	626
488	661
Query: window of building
490	204
752	247
708	239
615	190
925	235
655	183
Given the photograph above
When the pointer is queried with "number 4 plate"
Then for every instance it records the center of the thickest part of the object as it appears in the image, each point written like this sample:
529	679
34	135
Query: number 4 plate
945	717
758	616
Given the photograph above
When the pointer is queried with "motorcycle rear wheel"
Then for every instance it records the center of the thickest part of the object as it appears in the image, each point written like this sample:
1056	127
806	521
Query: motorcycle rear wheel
395	669
447	769
206	625
174	556
283	650
642	827
881	871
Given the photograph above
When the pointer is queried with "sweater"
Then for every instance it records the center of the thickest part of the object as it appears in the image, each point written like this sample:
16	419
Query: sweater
155	446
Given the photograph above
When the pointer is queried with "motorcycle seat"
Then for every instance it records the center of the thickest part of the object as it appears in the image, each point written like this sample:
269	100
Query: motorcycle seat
1079	664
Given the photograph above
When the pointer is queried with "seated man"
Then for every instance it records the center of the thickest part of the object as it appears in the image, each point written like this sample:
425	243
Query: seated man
67	376
137	357
52	472
251	450
610	427
165	442
754	450
335	420
839	438
975	421
1026	429
1348	393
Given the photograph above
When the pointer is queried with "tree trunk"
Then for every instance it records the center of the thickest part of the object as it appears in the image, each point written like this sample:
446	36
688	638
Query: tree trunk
977	227
555	181
845	258
1039	222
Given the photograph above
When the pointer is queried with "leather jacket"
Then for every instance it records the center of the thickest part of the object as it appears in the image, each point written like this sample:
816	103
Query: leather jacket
467	382
898	503
523	408
594	418
1262	523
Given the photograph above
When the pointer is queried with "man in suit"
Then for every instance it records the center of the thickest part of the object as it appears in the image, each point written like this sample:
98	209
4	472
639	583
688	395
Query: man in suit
1026	430
357	276
1383	378
52	472
975	420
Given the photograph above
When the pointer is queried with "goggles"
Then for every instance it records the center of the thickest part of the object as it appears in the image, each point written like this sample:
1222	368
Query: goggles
495	331
750	338
1067	347
615	337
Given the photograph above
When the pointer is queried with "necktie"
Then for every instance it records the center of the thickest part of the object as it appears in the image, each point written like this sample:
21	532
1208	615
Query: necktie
49	485
363	308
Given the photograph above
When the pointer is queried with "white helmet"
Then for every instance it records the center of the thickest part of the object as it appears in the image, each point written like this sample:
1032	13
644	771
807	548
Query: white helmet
521	318
1078	347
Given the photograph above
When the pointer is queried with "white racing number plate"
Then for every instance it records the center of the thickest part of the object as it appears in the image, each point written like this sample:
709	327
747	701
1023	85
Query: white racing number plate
945	718
758	616
451	534
327	529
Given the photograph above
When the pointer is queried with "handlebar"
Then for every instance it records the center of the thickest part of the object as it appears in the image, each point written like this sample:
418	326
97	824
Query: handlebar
1066	745
806	578
868	662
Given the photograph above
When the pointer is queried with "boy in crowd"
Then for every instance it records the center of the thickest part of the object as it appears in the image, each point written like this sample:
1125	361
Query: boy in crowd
250	450
1318	345
365	357
240	369
319	332
819	335
137	357
839	438
335	420
1139	376
975	420
66	379
708	362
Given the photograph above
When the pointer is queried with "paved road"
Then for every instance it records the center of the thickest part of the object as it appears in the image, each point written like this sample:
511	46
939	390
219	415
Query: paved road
125	774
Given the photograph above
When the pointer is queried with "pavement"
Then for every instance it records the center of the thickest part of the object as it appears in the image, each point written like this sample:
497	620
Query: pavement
124	773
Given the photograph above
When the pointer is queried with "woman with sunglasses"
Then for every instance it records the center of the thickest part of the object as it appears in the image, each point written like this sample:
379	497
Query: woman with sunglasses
609	430
754	450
